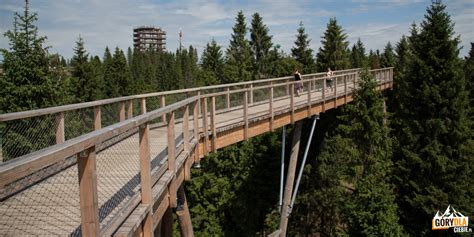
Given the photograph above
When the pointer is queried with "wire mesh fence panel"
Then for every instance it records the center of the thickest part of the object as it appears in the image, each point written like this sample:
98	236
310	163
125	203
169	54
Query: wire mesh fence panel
152	103
118	177
78	122
21	137
110	114
280	91
136	107
260	95
158	144
49	208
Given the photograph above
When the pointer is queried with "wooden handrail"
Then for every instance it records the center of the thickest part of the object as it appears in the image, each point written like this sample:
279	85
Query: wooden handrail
216	94
25	165
64	108
85	146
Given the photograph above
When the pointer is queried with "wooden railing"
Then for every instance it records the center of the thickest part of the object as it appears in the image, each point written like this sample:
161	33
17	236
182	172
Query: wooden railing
203	107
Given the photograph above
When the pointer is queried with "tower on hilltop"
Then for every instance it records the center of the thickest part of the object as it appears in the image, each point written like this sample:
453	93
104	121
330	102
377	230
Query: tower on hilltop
149	37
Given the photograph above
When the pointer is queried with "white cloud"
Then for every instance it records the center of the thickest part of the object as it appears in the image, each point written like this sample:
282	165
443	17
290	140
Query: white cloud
109	23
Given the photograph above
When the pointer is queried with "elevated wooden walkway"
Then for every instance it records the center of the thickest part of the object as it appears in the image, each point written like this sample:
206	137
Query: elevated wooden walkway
123	179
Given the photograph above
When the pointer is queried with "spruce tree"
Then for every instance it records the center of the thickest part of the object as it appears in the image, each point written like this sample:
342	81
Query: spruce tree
84	86
302	52
388	58
333	53
212	62
238	65
261	43
358	57
469	73
374	59
98	76
117	75
26	83
355	169
435	155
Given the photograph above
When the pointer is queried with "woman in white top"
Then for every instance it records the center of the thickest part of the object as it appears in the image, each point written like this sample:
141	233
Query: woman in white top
329	75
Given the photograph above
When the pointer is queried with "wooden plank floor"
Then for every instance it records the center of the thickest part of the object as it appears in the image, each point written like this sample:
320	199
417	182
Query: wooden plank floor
51	207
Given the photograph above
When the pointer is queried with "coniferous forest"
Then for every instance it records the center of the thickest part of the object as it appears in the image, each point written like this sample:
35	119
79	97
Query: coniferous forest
380	166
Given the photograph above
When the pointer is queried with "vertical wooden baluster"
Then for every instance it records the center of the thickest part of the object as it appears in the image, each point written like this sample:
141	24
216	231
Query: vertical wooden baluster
60	128
251	93
196	128
227	98
130	109
171	158
186	129
186	145
143	105
324	95
271	106
88	197
145	177
162	105
292	102
246	116
345	89
122	111
205	125
309	98
213	124
335	92
97	118
354	79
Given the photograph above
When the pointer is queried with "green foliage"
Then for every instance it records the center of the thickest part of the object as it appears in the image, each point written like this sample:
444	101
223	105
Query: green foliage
333	53
26	83
469	73
238	65
435	153
235	188
302	52
358	57
84	83
353	186
388	58
261	44
212	62
374	59
116	75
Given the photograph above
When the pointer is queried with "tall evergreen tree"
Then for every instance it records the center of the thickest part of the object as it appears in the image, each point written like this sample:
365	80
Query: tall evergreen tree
435	156
98	76
388	58
117	75
353	187
469	72
374	59
333	53
280	63
238	58
261	43
212	62
26	83
302	52
358	57
84	86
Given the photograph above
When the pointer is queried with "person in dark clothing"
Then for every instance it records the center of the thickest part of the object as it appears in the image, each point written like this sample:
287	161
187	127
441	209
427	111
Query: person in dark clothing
299	84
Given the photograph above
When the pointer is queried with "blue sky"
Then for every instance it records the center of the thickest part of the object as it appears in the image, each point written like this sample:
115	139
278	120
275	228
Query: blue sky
110	22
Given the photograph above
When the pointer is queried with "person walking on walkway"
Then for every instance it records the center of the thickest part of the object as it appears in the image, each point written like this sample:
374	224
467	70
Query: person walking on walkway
299	84
329	75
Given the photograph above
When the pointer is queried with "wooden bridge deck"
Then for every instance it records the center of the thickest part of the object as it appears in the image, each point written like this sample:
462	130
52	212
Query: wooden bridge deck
51	207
